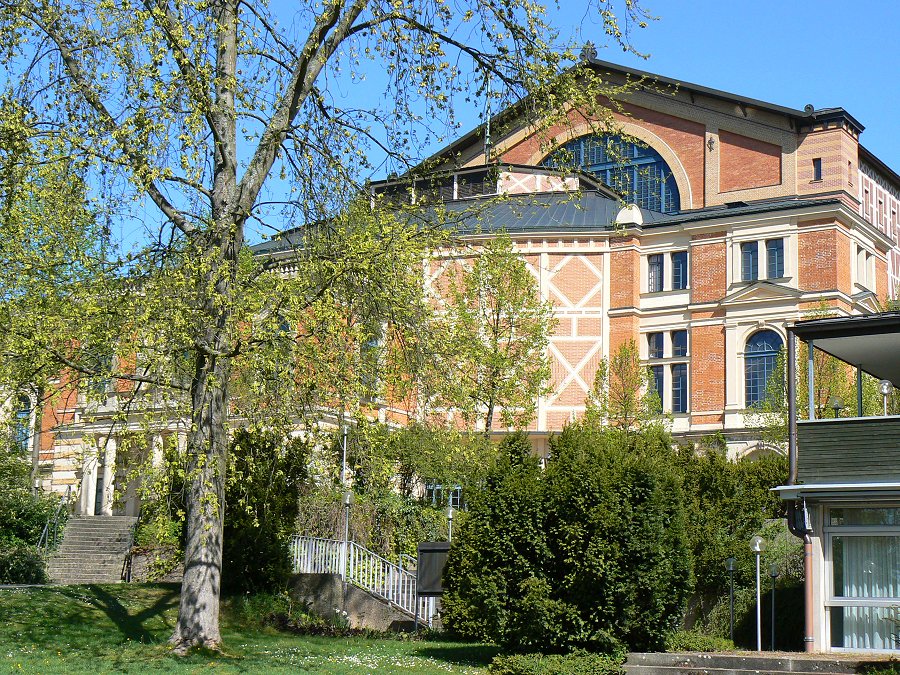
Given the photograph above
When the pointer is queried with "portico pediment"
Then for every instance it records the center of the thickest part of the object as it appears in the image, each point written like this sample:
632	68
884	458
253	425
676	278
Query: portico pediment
759	291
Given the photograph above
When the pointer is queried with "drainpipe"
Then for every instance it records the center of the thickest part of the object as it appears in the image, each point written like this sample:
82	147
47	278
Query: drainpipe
800	530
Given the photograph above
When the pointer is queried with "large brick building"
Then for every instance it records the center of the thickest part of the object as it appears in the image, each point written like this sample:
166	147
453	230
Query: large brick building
750	215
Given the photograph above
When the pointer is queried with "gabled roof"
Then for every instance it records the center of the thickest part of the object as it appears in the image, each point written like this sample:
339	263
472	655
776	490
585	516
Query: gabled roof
809	115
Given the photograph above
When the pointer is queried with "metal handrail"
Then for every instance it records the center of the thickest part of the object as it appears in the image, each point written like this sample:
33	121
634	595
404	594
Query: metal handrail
363	568
44	542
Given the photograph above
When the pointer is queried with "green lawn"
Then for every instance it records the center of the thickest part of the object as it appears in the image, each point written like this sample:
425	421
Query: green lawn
124	628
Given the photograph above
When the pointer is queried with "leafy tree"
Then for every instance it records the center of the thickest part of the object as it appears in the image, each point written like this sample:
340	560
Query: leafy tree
224	116
622	394
499	331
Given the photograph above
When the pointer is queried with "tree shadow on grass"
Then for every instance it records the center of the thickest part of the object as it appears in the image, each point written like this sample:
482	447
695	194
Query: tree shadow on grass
459	654
130	624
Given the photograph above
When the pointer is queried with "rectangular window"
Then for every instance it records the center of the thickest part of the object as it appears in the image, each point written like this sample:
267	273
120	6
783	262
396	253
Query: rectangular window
679	388
657	372
775	258
679	270
817	168
655	345
655	273
862	268
679	343
749	261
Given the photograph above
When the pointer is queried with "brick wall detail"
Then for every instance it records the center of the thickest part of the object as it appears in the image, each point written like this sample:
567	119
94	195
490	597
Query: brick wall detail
746	162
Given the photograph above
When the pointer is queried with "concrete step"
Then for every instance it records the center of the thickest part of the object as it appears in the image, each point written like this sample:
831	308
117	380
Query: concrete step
92	550
737	664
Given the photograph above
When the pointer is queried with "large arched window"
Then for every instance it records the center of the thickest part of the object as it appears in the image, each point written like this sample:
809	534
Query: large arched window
760	359
637	172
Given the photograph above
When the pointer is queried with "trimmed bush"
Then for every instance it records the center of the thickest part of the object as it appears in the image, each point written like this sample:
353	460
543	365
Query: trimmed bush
575	663
693	641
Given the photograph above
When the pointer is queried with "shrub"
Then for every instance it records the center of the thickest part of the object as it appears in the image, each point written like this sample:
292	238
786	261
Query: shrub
22	565
575	663
590	555
261	502
694	641
498	548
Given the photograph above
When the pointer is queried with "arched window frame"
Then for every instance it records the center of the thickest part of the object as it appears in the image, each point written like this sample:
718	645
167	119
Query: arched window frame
21	432
760	361
628	167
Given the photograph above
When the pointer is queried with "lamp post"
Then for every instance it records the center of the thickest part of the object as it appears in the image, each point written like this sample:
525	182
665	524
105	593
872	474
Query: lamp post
836	404
757	545
729	567
450	514
348	500
885	386
773	573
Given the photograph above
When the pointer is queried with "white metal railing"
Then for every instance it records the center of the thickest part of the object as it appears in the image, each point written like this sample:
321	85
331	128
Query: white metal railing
357	565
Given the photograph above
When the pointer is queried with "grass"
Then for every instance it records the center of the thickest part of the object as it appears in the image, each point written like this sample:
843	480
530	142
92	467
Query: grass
124	628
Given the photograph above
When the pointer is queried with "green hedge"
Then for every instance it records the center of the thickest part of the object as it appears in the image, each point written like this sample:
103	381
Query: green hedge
591	554
575	663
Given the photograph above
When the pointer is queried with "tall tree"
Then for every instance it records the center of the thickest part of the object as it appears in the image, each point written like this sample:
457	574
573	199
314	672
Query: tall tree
622	394
499	329
225	115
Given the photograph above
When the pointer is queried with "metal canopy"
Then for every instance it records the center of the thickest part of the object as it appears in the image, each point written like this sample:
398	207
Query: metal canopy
870	342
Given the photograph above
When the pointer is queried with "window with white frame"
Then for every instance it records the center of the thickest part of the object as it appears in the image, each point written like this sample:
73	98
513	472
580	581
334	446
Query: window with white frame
760	362
863	577
668	272
762	259
667	354
865	268
21	431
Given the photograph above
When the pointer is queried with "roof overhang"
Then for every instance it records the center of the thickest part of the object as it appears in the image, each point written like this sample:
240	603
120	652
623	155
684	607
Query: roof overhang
839	491
870	342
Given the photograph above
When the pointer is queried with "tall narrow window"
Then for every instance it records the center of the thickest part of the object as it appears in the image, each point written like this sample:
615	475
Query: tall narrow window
679	343
655	273
775	258
817	168
749	261
658	384
22	424
679	388
760	358
655	345
679	270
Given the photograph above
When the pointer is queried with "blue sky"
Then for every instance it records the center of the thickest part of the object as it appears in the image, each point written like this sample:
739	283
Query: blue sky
787	52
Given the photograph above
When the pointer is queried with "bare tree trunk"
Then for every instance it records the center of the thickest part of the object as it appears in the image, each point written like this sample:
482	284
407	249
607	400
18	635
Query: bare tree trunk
198	613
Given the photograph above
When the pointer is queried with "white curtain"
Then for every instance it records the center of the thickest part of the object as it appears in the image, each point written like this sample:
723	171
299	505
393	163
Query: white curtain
867	567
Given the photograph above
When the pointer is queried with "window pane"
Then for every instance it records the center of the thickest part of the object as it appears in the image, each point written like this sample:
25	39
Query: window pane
760	359
657	372
864	627
679	270
749	261
655	273
679	343
864	516
679	388
655	345
866	566
775	256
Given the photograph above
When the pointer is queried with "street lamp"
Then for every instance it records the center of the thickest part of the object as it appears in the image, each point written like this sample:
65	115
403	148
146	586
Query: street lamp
730	564
885	387
773	572
450	514
348	500
836	404
758	545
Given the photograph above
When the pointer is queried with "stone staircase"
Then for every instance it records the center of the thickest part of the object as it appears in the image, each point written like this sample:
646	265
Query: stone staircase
747	664
92	551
